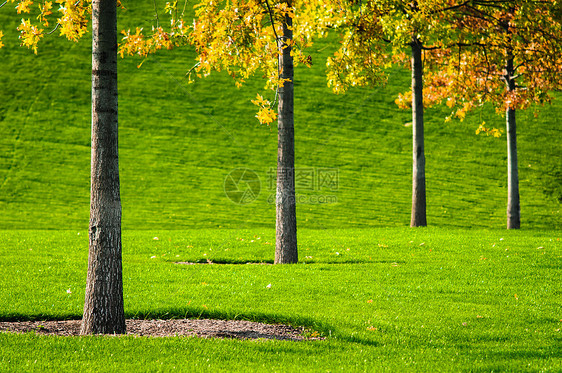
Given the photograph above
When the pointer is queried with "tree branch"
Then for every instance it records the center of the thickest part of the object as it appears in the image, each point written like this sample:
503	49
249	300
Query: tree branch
55	29
428	48
272	21
450	8
484	16
58	23
193	68
183	10
156	14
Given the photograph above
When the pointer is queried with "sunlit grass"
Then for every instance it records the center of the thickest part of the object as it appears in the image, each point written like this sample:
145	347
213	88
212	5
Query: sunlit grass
391	298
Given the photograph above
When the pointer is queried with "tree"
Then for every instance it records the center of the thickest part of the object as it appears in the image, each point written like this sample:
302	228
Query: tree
510	56
379	33
418	217
286	216
240	36
103	308
244	37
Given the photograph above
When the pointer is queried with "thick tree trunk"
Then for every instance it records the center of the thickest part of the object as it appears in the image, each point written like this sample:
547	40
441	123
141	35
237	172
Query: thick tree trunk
418	218
513	204
103	308
286	224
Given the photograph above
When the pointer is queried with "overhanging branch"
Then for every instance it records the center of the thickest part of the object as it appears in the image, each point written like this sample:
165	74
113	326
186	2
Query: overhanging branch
272	21
451	7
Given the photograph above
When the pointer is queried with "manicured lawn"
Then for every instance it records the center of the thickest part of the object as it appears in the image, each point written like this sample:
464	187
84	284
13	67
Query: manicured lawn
388	298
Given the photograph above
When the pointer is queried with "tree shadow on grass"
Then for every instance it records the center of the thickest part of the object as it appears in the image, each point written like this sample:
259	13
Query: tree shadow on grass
224	261
270	262
203	313
311	328
499	361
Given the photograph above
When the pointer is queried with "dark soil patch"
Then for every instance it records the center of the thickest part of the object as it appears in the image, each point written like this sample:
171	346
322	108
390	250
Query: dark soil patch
222	262
169	328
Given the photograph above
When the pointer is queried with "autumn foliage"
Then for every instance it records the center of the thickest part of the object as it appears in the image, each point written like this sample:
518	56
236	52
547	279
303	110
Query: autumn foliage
465	42
476	70
70	19
239	37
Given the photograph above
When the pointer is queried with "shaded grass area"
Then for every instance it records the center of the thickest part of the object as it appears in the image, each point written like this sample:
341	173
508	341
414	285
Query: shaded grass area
386	298
179	141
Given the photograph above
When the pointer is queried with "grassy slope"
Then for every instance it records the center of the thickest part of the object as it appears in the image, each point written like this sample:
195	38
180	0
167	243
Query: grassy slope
179	141
394	298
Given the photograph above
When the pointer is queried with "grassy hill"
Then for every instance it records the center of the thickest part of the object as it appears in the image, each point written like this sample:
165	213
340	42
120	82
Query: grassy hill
179	141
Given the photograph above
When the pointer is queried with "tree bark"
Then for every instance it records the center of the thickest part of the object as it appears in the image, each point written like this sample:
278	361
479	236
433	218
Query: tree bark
418	218
103	307
286	220
513	203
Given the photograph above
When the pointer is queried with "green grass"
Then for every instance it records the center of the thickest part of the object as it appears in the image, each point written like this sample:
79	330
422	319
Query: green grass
178	142
386	298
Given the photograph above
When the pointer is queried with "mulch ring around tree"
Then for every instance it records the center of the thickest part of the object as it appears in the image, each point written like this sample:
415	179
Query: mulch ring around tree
204	328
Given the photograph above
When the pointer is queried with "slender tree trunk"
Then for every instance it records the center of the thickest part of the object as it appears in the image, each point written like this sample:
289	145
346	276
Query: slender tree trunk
513	204
418	218
103	308
286	224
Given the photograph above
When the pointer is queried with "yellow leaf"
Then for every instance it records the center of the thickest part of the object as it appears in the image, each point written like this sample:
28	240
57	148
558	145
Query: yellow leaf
30	35
281	82
266	115
23	6
260	101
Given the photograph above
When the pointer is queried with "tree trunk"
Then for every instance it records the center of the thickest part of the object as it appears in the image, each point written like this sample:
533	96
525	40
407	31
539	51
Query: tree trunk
513	204
418	218
103	308
286	224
